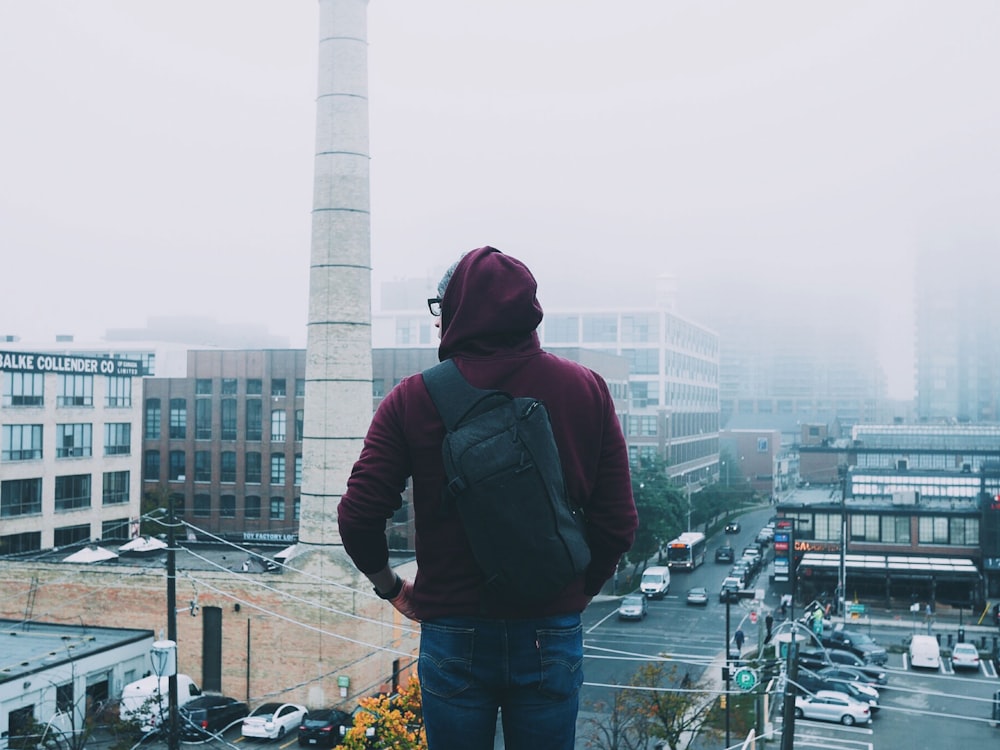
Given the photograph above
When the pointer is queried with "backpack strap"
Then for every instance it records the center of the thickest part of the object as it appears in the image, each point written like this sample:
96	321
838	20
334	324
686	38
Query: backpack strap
451	393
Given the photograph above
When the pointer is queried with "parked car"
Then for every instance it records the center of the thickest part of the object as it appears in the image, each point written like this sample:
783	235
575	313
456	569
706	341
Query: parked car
812	682
272	721
209	715
857	643
925	652
741	570
725	553
828	705
730	590
733	527
324	728
817	658
848	674
697	595
632	607
964	656
765	535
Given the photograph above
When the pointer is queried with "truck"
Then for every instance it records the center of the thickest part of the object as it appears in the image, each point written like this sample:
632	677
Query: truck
146	701
857	643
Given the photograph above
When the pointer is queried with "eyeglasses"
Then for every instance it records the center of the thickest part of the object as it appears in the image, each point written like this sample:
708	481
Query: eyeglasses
434	305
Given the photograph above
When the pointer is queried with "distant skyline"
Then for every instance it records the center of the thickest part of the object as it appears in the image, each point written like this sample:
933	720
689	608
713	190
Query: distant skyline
779	156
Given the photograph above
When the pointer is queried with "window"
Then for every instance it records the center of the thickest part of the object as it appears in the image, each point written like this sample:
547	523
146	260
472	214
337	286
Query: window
178	418
278	426
278	387
762	445
227	506
177	466
67	535
228	406
932	530
115	529
75	390
254	387
227	472
299	421
178	499
151	466
21	442
116	487
64	695
300	388
896	530
252	509
23	389
255	419
298	468
74	440
117	392
253	467
202	505
203	387
277	509
20	497
562	329
29	541
73	492
117	439
600	328
203	466
152	418
229	386
277	468
203	419
296	507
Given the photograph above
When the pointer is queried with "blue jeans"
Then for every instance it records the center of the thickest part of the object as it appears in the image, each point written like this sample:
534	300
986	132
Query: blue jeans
531	670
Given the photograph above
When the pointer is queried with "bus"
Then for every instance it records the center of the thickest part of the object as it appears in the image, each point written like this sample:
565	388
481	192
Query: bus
687	550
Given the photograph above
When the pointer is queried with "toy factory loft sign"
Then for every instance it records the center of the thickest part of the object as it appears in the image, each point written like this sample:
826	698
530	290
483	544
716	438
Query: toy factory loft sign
62	363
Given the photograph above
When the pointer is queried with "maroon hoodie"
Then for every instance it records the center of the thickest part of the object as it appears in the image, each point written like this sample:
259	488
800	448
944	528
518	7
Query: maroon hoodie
489	317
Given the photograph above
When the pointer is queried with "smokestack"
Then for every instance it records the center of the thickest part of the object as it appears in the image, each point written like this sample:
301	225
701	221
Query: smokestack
338	398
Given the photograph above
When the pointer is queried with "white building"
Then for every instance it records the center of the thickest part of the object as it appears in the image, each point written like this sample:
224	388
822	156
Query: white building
70	449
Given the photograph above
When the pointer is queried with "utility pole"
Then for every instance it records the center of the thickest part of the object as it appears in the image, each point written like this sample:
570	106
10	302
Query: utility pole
842	573
791	677
728	668
172	734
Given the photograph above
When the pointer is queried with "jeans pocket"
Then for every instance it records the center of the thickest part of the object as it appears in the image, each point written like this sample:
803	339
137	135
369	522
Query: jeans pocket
445	666
561	654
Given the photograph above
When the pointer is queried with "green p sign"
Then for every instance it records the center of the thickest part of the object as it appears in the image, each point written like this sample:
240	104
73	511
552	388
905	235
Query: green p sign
745	679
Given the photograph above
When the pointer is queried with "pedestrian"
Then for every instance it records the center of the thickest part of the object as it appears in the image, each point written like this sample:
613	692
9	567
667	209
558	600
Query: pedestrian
478	655
738	638
769	626
817	618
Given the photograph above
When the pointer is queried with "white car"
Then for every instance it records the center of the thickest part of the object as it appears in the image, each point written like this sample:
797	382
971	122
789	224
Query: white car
829	705
273	721
964	656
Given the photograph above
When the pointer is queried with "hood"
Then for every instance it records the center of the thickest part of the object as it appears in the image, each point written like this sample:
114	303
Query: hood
489	305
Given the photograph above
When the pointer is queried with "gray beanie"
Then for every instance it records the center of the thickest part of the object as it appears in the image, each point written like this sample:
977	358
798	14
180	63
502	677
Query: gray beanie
443	284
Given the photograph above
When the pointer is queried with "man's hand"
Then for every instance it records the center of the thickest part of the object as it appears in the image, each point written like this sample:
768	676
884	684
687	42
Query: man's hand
403	602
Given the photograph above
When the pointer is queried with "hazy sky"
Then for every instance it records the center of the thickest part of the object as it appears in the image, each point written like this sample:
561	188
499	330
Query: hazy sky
156	157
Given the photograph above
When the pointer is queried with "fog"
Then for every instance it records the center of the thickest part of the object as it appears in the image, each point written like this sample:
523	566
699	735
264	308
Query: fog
783	160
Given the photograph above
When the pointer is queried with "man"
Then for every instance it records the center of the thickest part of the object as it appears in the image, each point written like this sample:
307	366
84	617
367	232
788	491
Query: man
478	655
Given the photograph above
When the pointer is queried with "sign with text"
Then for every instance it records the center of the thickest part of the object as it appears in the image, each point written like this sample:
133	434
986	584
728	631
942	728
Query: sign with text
67	364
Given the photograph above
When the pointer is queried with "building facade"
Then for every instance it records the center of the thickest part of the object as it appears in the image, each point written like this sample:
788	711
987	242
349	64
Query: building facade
225	442
70	469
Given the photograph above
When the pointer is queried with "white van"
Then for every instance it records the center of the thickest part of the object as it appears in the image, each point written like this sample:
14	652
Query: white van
655	582
147	701
925	652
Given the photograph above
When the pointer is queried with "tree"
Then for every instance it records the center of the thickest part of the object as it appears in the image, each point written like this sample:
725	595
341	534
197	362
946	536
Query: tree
660	703
661	508
389	721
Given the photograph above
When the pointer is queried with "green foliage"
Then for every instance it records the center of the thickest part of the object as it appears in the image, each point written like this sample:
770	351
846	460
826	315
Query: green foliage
661	507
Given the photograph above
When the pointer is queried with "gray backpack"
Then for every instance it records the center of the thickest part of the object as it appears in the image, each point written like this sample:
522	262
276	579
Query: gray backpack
506	483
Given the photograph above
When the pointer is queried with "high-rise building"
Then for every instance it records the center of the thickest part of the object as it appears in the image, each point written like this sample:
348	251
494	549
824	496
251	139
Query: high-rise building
957	339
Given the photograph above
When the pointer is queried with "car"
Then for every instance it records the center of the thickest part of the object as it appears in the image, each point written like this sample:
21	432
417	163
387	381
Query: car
272	721
765	535
697	595
965	656
725	553
324	728
730	590
817	658
742	571
733	527
846	674
209	715
812	682
858	643
829	705
632	607
924	651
